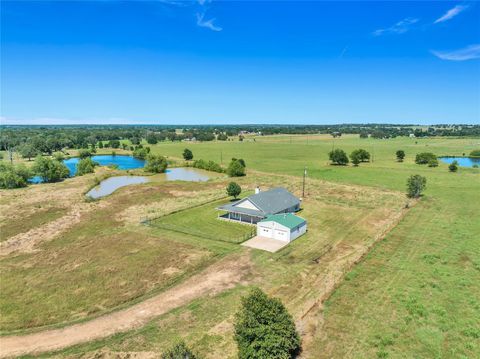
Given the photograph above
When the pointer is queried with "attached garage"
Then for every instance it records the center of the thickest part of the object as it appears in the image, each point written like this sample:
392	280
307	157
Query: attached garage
283	227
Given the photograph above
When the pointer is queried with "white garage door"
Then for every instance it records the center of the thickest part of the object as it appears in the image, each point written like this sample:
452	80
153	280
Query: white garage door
265	232
281	235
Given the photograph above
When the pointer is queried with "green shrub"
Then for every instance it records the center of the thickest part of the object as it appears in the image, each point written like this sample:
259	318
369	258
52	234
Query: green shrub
264	329
475	153
50	170
236	168
453	167
424	158
234	189
84	153
338	157
416	184
179	351
86	165
140	153
156	164
14	176
187	154
400	155
432	162
208	166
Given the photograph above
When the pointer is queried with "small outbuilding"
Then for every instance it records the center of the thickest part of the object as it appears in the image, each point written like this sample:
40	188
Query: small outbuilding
284	227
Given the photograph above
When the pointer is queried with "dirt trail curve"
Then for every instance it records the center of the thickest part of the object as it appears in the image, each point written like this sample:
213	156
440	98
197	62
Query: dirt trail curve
216	278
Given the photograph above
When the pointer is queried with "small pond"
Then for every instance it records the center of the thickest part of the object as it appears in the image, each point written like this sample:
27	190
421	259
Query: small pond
462	161
111	184
186	174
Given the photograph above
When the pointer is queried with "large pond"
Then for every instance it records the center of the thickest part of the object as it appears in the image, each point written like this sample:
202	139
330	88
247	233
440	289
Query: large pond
462	161
111	184
123	163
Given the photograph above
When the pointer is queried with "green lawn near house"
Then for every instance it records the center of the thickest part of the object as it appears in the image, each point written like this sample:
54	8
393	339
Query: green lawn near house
203	221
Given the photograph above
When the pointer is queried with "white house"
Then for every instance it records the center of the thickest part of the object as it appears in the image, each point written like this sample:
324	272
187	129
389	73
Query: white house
284	227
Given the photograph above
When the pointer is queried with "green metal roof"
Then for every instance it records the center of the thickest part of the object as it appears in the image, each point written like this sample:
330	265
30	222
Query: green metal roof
288	220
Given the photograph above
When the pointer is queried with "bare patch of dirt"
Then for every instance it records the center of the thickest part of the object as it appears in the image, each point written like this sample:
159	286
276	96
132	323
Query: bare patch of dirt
222	275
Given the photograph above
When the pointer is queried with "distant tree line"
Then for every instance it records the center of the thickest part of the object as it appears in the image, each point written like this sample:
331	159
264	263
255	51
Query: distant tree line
34	140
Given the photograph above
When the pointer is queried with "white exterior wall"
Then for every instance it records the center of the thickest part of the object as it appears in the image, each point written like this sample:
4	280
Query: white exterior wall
275	230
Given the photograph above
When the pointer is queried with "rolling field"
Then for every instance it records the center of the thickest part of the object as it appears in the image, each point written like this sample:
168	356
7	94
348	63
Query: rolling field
413	295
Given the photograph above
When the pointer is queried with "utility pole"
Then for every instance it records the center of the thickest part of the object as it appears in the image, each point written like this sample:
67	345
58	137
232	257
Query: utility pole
304	175
221	158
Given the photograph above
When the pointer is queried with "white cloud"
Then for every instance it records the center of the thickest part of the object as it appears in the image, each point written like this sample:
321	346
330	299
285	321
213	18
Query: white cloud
399	28
451	13
468	53
209	24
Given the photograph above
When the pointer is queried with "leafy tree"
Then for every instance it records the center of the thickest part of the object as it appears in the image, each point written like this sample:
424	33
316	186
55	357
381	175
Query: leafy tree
13	176
234	189
475	153
264	329
222	137
50	170
363	135
86	165
432	162
187	154
84	153
156	164
355	158
140	153
416	184
179	351
240	138
400	155
151	138
363	155
28	151
424	157
338	157
114	144
100	144
453	167
59	156
209	166
236	168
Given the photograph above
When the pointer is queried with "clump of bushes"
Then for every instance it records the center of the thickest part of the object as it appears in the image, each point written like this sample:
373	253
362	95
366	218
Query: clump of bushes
156	164
236	168
425	158
86	165
208	166
453	167
50	170
264	328
359	155
141	152
84	153
14	176
179	350
338	157
475	153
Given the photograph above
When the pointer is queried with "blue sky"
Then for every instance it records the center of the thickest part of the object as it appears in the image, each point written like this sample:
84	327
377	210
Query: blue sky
229	62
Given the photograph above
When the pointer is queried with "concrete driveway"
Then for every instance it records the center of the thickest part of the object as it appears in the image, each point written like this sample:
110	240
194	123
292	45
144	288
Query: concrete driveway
265	244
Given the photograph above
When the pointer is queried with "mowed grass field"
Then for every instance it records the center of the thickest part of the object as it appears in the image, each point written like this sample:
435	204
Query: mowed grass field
202	221
414	295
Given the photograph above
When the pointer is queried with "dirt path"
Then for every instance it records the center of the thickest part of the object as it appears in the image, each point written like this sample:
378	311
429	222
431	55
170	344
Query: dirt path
218	277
